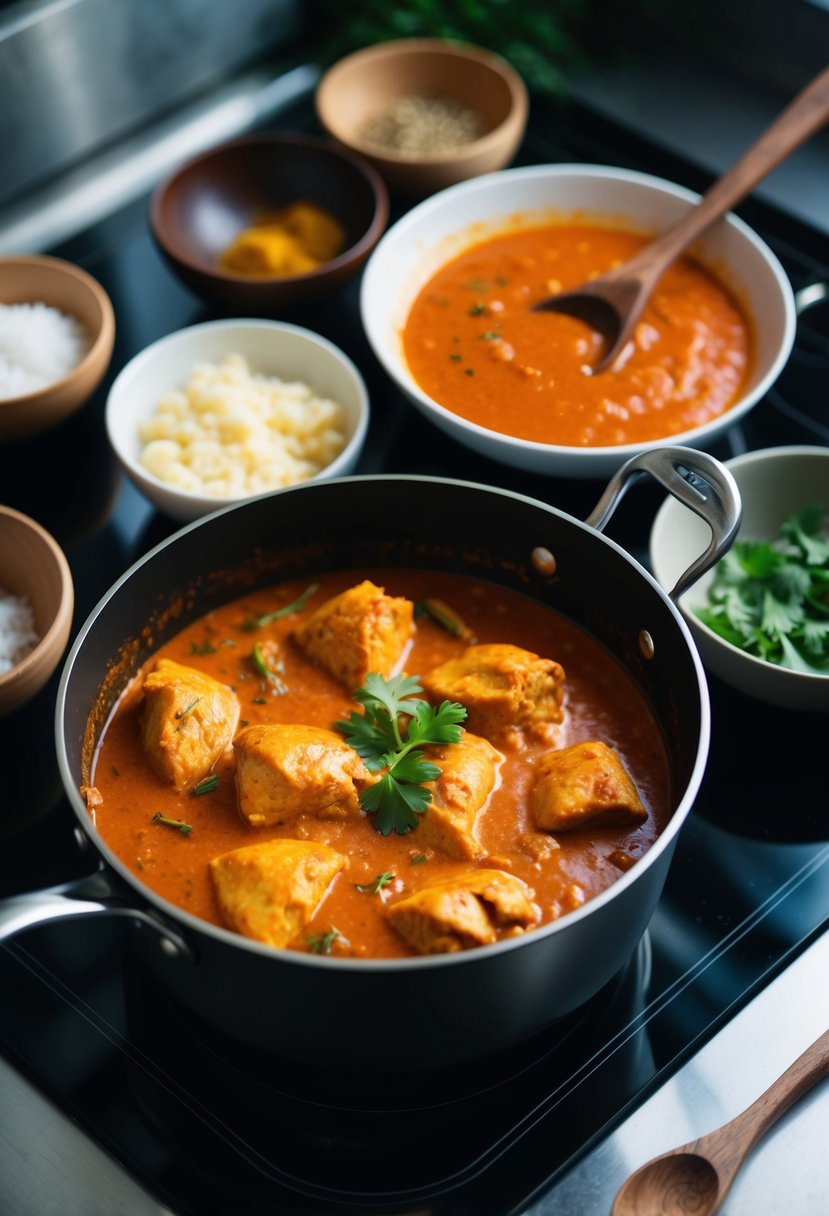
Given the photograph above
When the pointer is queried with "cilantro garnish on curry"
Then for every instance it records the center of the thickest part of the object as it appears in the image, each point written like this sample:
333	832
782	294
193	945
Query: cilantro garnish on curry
519	774
379	737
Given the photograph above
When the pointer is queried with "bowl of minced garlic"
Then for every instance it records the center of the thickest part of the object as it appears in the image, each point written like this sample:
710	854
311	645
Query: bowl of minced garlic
425	112
225	410
269	222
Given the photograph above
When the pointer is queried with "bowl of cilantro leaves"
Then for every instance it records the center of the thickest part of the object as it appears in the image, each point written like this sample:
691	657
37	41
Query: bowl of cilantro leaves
760	617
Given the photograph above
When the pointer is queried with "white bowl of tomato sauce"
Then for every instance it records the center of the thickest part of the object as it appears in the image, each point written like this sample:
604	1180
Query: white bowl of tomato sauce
447	301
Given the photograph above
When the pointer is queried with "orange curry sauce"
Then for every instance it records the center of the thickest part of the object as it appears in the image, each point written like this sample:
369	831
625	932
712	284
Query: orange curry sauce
472	343
602	703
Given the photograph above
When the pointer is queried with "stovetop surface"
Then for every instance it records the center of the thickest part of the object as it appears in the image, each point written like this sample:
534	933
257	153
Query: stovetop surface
206	1127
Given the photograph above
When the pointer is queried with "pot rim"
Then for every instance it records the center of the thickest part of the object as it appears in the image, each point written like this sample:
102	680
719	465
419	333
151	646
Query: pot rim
197	925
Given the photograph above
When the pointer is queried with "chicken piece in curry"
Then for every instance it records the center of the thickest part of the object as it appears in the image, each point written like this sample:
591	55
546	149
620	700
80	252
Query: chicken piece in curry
283	771
470	771
506	690
473	908
331	770
188	720
270	891
359	631
585	783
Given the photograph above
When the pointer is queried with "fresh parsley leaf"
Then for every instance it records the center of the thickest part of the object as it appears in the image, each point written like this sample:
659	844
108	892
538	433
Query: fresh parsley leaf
441	725
385	740
394	805
414	769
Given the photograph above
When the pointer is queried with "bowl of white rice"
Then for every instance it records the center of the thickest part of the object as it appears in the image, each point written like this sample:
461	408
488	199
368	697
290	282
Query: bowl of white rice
36	604
227	410
57	331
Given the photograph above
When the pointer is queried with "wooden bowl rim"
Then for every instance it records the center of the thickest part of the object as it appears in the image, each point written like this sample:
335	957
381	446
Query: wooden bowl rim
103	339
62	618
286	139
515	117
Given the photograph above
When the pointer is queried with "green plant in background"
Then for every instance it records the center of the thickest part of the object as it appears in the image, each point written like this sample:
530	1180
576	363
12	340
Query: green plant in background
545	42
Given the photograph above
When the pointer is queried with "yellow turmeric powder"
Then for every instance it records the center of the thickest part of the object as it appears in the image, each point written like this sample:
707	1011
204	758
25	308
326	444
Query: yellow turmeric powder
292	240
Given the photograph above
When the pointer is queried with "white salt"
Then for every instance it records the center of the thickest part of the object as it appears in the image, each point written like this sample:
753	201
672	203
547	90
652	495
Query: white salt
18	634
39	345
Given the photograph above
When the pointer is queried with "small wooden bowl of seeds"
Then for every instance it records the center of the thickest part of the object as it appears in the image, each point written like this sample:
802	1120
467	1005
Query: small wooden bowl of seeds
426	112
37	599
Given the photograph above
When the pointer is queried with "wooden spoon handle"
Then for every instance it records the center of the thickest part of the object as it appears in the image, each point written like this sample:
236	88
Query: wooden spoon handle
805	115
728	1145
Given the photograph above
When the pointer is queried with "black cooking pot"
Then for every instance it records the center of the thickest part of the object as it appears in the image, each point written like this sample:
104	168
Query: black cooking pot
394	1013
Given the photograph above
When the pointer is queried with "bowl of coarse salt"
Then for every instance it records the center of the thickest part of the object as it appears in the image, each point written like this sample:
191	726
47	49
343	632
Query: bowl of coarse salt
36	602
226	410
57	331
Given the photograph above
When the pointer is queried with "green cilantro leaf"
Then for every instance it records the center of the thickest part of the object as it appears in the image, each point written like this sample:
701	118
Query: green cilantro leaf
390	734
772	598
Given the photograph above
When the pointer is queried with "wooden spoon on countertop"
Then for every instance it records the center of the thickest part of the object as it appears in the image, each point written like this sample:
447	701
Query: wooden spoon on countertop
693	1180
613	303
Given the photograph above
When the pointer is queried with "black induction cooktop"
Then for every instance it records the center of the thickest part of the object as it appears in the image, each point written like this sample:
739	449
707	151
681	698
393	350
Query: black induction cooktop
206	1126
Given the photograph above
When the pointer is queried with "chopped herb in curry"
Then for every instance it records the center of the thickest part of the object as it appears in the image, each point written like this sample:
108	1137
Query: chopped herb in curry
376	885
267	618
323	943
184	828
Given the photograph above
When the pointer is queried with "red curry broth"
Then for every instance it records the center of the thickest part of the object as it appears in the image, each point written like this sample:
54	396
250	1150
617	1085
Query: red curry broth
602	703
472	343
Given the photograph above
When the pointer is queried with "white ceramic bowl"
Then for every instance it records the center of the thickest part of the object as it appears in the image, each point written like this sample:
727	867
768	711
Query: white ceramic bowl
441	227
773	483
272	348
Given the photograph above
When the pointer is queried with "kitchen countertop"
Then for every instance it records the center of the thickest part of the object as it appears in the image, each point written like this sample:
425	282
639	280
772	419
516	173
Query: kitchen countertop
789	1170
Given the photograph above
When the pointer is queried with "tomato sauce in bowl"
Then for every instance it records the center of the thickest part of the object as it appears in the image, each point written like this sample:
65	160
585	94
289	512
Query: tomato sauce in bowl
475	347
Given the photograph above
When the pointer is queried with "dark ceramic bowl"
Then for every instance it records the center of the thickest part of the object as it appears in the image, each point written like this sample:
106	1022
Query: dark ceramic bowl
199	210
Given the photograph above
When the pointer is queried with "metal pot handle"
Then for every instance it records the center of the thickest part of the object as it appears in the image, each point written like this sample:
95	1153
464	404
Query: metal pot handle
98	894
810	296
697	480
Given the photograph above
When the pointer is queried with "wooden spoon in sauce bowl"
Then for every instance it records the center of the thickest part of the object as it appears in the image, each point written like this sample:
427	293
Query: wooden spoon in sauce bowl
613	303
694	1180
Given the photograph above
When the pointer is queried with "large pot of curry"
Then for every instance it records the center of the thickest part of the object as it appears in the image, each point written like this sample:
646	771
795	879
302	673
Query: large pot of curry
386	771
